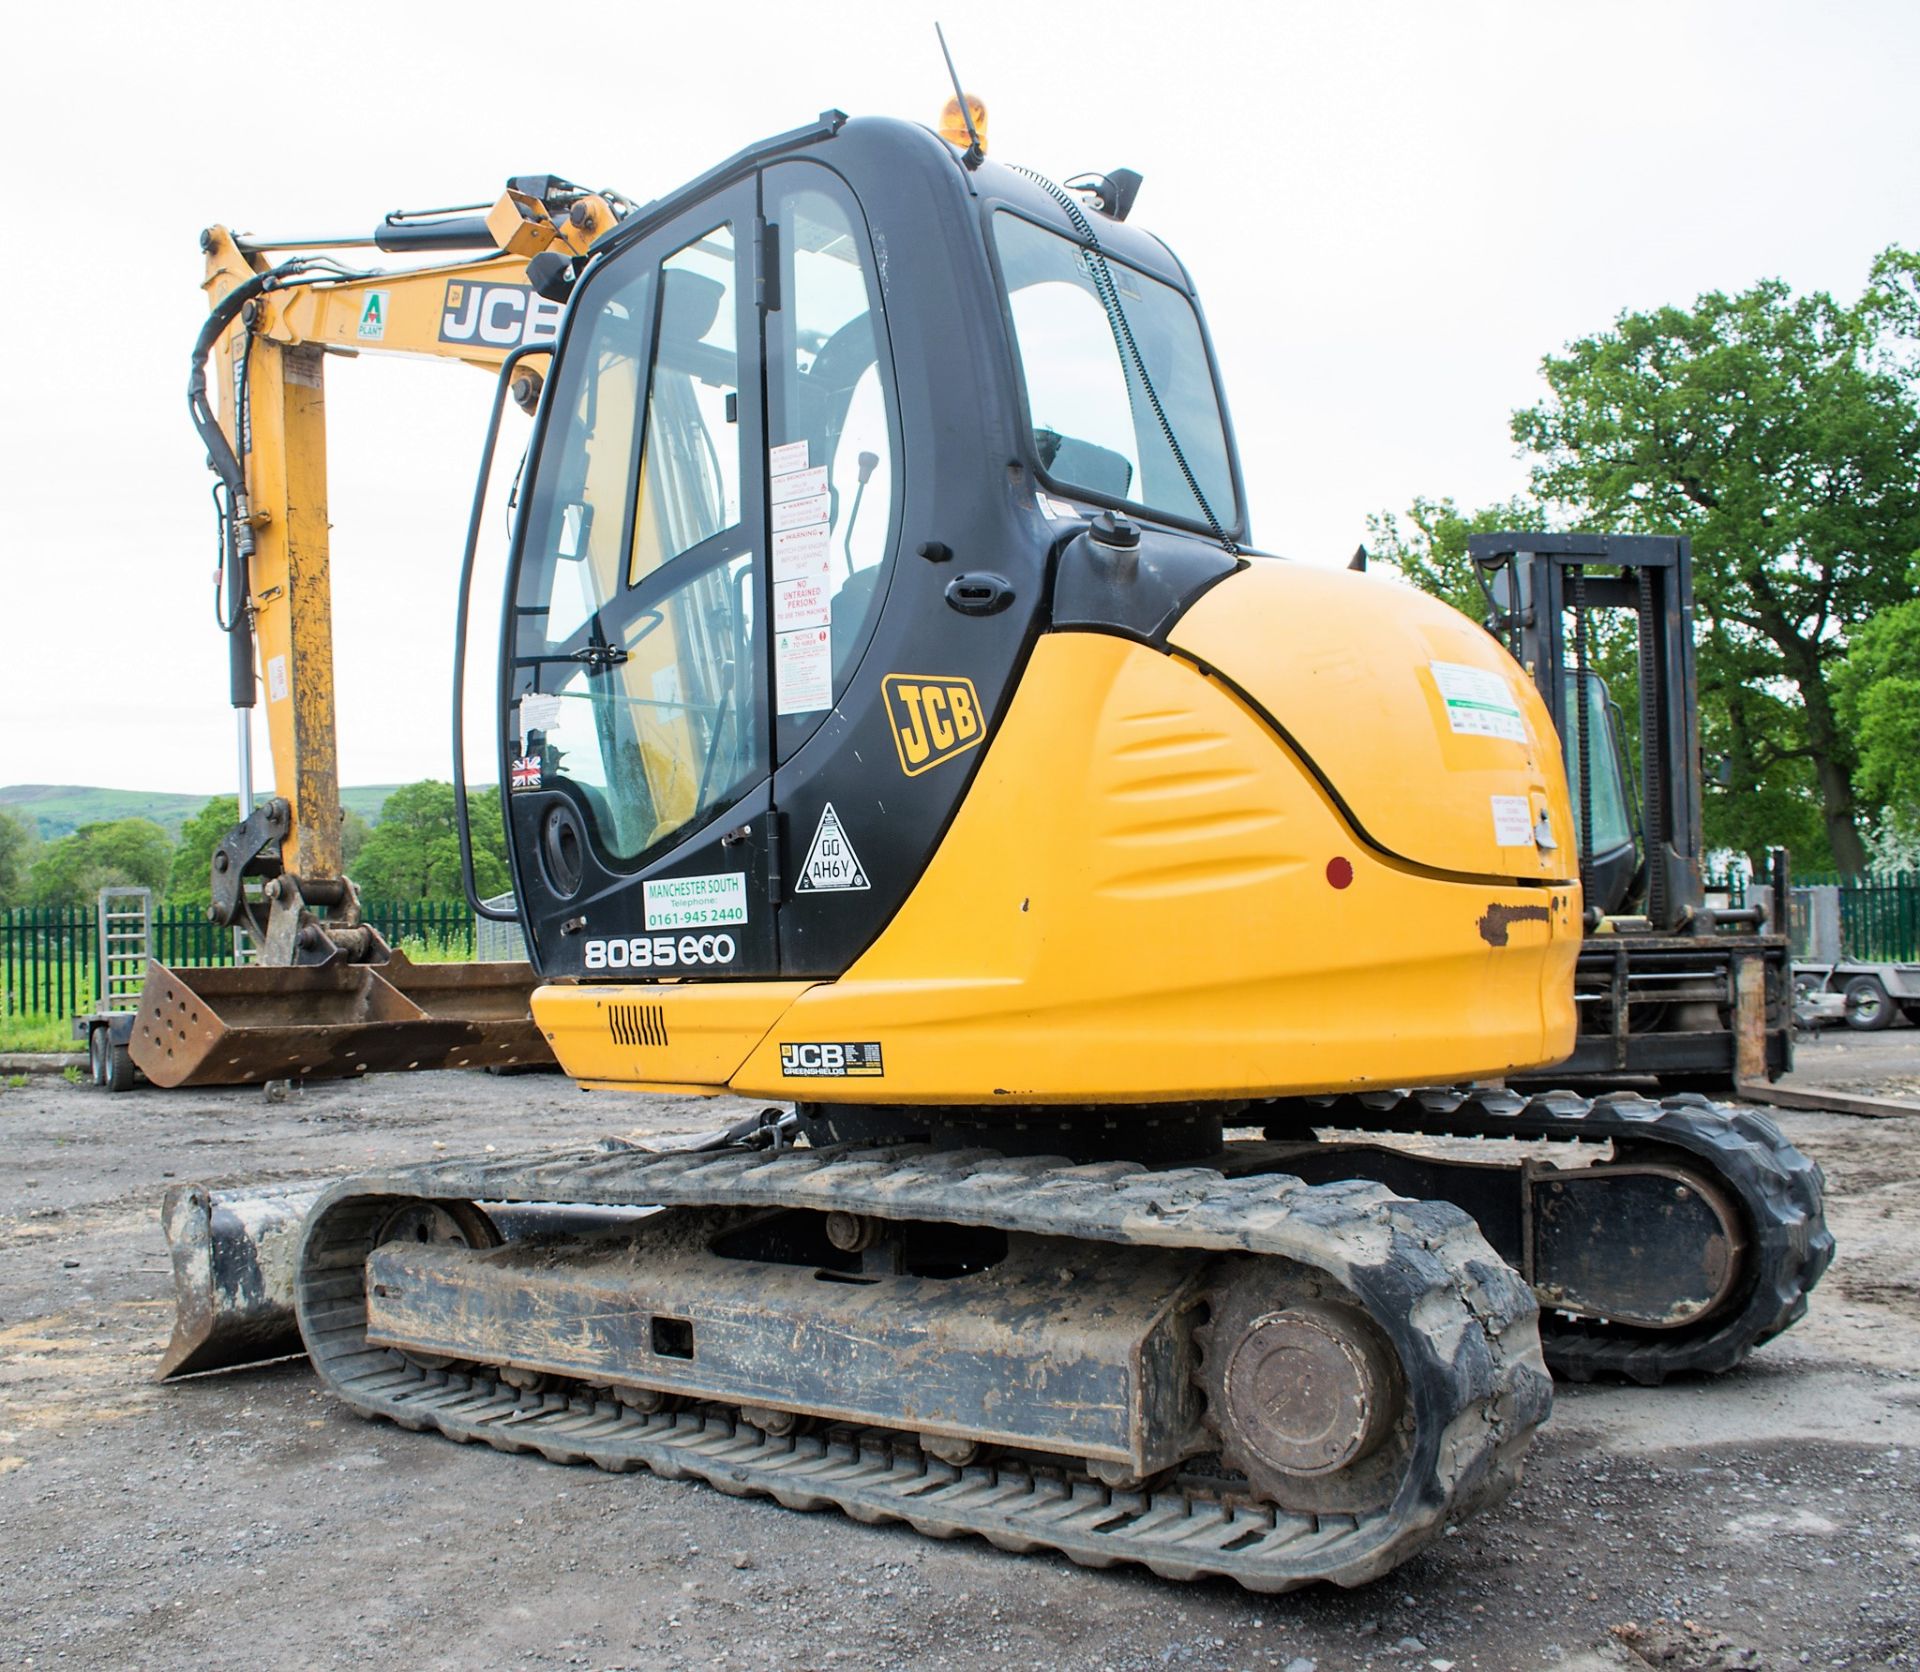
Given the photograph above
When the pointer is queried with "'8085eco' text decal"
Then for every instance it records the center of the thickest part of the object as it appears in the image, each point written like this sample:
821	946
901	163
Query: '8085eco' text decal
659	952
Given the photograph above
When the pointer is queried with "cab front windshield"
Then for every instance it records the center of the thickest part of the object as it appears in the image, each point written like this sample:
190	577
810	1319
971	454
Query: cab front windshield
1094	426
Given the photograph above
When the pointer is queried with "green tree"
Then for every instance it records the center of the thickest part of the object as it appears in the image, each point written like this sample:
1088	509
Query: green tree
17	842
1877	690
1781	433
190	878
354	831
414	851
1431	549
71	870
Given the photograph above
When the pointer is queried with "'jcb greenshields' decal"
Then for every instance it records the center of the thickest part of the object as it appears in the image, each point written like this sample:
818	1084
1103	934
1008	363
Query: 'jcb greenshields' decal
934	717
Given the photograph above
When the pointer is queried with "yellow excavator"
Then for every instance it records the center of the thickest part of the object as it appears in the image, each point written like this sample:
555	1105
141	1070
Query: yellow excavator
896	723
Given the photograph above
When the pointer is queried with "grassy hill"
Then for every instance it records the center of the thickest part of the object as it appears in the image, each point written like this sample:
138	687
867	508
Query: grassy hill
60	808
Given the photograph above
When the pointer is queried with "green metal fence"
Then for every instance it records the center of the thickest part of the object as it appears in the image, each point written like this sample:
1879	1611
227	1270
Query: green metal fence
1880	918
1879	915
47	953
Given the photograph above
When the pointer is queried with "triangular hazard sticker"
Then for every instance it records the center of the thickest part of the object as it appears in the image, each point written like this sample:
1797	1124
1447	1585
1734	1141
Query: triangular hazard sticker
832	866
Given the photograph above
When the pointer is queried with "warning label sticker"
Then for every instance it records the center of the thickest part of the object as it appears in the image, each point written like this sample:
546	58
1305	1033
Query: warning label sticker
786	458
832	866
801	513
1512	821
803	670
1478	703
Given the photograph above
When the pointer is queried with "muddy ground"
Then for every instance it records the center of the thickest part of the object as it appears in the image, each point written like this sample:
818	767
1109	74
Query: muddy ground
1768	1518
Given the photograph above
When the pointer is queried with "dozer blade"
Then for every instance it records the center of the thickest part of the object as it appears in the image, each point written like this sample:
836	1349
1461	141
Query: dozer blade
242	1024
233	1258
234	1254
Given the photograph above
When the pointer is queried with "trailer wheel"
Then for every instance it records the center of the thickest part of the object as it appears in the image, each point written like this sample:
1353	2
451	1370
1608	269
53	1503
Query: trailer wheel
121	1074
1868	1007
97	1055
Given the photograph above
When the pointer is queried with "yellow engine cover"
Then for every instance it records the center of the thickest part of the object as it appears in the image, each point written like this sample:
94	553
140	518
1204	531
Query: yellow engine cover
1147	896
1429	732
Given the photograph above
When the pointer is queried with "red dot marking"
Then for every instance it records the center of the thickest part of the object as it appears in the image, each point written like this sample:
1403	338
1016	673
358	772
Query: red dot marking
1340	872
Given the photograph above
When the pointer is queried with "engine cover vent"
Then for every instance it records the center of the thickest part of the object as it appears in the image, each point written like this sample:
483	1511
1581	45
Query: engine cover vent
637	1024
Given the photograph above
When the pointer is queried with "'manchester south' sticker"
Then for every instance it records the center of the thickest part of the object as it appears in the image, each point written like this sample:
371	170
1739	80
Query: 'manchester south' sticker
831	1061
934	717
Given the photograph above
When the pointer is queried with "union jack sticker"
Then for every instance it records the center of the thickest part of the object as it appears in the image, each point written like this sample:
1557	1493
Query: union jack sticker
526	773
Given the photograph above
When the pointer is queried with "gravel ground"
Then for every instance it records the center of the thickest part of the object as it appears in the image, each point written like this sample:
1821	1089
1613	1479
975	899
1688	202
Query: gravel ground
1769	1518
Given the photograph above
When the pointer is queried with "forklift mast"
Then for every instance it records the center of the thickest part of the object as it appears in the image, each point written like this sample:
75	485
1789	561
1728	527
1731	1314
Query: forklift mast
1544	589
1666	986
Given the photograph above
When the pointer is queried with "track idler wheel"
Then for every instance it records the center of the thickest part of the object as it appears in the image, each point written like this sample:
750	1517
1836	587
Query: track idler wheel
1304	1394
459	1224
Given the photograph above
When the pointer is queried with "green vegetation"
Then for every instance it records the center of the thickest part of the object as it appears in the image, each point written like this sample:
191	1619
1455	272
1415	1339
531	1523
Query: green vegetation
1877	691
1781	433
190	875
411	855
73	1075
36	1033
17	842
17	1082
414	851
71	870
60	809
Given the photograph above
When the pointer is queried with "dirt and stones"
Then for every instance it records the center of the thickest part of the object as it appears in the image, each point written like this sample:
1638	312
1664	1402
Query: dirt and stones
1770	1518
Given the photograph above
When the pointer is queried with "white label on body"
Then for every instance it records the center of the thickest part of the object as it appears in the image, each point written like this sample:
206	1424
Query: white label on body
785	459
540	711
832	866
803	670
798	513
803	596
697	902
277	678
1512	821
799	484
1479	703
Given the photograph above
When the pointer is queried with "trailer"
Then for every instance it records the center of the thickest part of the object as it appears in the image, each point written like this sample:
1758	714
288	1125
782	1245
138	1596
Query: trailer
1866	994
120	965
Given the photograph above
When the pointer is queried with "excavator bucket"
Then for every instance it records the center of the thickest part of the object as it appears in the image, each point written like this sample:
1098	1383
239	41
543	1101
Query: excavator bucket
244	1024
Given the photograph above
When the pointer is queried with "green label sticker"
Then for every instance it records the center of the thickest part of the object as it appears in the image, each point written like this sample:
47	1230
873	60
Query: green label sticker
373	317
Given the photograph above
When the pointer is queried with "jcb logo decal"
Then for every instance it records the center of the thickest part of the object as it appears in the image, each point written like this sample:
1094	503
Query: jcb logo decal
832	1061
499	315
934	718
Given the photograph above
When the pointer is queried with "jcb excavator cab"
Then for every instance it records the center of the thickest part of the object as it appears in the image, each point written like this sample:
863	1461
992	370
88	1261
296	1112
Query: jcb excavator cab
867	480
786	527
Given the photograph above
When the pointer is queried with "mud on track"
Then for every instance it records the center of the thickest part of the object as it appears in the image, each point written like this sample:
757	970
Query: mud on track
1768	1518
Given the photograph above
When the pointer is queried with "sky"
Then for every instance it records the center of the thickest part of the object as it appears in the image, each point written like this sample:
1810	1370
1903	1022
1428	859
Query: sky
1392	212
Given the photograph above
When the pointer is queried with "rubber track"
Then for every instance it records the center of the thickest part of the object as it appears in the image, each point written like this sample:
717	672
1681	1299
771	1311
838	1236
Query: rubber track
1462	1321
1780	1192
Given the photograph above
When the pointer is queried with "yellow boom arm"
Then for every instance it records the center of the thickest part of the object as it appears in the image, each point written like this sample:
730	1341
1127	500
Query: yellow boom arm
272	413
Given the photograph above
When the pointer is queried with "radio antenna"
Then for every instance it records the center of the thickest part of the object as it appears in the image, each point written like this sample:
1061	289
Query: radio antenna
975	152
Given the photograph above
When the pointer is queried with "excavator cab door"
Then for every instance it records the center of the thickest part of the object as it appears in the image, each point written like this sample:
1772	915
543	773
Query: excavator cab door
704	549
635	713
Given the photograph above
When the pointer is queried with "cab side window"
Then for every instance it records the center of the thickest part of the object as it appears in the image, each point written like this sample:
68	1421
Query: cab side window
636	618
832	456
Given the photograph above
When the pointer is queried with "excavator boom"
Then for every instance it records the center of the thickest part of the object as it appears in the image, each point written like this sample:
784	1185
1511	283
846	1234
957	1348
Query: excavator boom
327	997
